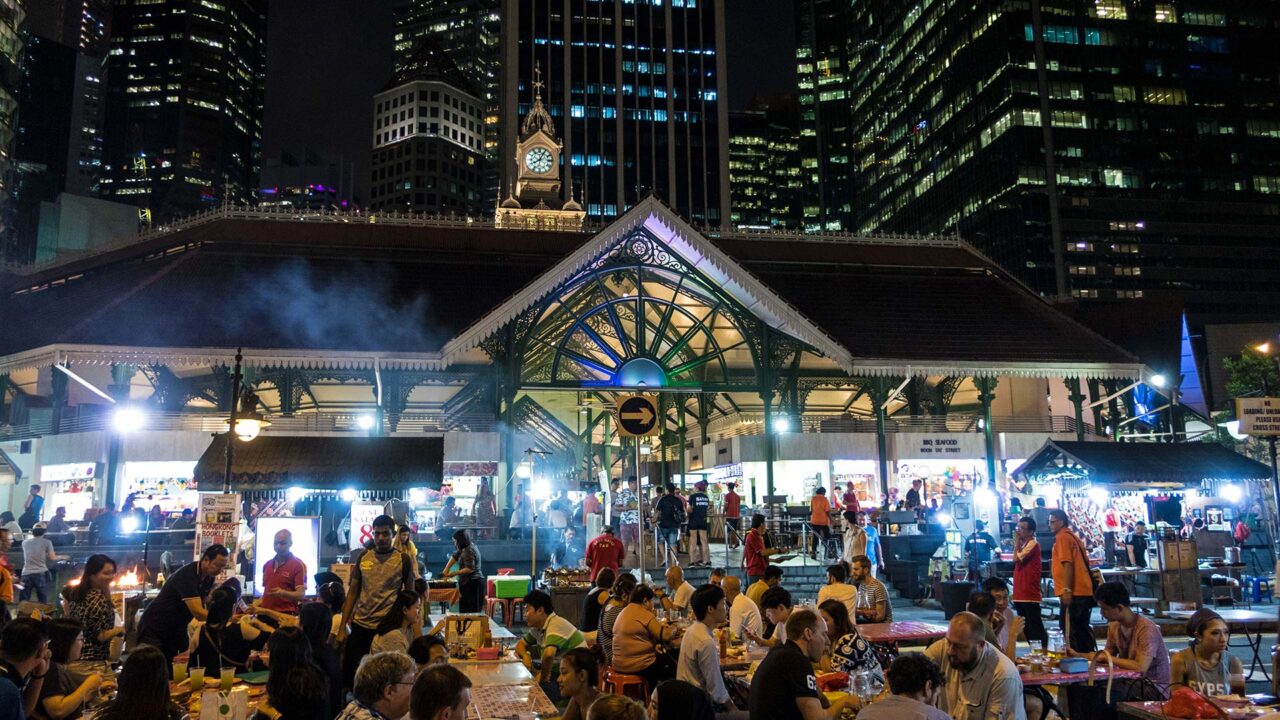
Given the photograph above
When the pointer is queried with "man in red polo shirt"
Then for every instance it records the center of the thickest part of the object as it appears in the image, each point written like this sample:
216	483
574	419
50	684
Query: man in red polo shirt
754	554
284	577
605	551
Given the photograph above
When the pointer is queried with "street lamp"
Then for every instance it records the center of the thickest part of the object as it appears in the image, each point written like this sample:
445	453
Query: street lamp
244	424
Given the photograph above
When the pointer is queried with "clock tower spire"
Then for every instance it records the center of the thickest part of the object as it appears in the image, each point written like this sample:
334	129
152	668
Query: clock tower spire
536	201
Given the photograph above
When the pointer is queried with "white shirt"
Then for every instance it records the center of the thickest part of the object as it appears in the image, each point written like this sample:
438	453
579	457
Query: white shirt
15	531
843	592
855	543
699	662
744	615
680	598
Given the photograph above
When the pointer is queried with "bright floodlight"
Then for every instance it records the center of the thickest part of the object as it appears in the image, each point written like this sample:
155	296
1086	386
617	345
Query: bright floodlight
417	496
365	422
1099	496
128	419
348	494
296	493
1159	380
541	489
782	424
129	524
1264	348
1231	493
943	518
985	497
524	470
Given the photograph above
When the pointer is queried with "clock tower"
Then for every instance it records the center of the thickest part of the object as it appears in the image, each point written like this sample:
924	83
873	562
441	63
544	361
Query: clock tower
536	201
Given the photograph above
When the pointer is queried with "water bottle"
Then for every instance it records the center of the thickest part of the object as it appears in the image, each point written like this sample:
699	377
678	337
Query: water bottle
862	685
1054	643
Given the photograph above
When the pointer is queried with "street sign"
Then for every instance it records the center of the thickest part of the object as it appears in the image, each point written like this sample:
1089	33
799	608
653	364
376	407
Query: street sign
1259	416
638	416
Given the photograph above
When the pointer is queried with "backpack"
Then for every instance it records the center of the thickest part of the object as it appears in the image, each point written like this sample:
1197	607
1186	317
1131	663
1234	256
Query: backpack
671	511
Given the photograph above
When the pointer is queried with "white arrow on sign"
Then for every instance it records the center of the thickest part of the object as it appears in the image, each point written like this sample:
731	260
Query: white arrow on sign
643	416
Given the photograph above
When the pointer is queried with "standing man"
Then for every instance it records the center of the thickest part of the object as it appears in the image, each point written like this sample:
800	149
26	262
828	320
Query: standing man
699	509
377	576
855	538
732	515
164	622
670	511
754	554
284	577
605	551
819	520
873	543
873	601
6	577
744	615
978	548
626	507
913	495
569	552
1072	583
850	499
979	681
32	509
1136	545
784	687
37	557
1026	580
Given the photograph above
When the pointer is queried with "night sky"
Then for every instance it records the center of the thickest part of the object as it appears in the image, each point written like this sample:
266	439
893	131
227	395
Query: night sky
326	59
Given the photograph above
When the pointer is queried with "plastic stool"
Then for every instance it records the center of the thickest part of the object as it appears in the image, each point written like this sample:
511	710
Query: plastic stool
617	683
1258	588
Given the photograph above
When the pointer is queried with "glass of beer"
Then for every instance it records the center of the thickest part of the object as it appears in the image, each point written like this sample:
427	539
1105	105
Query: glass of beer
228	678
197	678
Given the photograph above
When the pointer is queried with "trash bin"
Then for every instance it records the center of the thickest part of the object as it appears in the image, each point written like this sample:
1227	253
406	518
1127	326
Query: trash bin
955	595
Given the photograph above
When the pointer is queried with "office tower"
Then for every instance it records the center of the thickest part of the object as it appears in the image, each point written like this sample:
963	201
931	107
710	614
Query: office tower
12	16
1162	123
766	181
638	91
428	139
824	73
469	31
185	84
308	179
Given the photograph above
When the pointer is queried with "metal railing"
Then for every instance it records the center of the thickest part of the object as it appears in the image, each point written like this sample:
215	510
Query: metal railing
753	424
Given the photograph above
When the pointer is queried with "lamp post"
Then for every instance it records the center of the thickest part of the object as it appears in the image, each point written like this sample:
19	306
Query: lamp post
243	425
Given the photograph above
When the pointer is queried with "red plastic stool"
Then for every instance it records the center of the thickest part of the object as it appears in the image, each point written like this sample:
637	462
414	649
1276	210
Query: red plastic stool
618	683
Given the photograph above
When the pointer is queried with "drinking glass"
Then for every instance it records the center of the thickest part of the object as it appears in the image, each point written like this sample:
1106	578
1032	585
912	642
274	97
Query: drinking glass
179	671
1236	681
228	677
197	678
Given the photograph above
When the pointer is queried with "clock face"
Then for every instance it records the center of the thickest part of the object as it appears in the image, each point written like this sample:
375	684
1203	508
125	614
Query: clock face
538	160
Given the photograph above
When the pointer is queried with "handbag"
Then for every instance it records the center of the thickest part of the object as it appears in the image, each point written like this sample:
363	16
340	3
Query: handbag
1095	575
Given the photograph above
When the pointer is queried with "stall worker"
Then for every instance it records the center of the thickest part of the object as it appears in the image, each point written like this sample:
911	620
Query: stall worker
979	681
754	554
548	639
164	622
569	552
1134	641
1135	545
448	517
1206	666
378	575
978	548
605	551
284	577
784	686
913	495
469	572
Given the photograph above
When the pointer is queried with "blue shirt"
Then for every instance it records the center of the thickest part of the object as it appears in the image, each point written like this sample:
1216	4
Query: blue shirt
873	544
10	701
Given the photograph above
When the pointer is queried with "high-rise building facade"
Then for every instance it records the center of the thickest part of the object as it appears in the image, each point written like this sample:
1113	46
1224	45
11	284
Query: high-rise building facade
470	33
12	17
1161	122
185	87
766	182
638	90
824	75
428	140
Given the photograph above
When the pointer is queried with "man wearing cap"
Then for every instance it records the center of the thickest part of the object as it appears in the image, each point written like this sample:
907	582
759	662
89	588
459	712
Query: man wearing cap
605	551
699	507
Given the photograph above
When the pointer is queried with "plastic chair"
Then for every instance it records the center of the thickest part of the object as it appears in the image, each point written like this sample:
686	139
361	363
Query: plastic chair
617	683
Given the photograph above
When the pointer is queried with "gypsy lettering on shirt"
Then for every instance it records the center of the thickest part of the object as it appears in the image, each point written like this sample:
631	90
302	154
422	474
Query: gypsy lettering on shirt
1208	689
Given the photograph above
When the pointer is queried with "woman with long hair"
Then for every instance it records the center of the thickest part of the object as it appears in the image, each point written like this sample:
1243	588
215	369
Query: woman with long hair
295	683
469	573
315	621
63	697
848	652
222	642
579	676
333	595
143	691
619	596
485	509
90	604
401	626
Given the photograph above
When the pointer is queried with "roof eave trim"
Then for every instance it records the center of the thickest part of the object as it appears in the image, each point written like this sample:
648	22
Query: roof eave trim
50	355
882	367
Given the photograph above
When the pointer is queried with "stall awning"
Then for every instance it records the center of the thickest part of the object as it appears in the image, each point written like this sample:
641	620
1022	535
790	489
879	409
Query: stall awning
278	462
1139	464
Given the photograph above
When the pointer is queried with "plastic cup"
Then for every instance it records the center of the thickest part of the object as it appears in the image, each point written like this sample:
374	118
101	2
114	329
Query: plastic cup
228	677
1236	681
197	678
179	671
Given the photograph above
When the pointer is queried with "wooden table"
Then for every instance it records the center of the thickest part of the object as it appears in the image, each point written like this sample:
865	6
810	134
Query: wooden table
1251	624
900	632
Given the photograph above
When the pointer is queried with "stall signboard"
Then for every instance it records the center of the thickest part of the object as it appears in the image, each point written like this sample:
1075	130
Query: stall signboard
305	533
939	446
219	508
1259	416
362	517
68	471
218	523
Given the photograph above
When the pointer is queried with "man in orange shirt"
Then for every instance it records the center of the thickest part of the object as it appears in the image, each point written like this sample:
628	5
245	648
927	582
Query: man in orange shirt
6	577
820	519
1072	583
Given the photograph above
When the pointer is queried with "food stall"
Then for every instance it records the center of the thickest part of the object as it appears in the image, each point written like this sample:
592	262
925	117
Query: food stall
69	485
167	483
1106	487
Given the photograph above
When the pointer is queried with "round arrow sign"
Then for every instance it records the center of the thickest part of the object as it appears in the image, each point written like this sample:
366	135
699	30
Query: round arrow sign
638	415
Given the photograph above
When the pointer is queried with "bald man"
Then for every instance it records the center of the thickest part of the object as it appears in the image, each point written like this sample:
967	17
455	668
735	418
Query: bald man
284	577
743	614
678	591
979	681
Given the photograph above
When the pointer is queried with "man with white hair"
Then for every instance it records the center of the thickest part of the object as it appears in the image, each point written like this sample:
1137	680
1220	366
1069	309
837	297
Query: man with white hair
979	681
382	688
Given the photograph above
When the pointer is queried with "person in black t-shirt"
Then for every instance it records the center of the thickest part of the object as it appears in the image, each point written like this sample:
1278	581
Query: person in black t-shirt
62	696
784	686
568	553
670	511
164	622
1136	545
699	507
978	548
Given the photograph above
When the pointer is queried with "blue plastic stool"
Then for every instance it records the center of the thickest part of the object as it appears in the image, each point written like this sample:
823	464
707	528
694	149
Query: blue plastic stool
1259	588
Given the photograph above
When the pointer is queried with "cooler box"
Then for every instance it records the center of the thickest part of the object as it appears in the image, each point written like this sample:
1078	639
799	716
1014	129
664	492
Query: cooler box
511	586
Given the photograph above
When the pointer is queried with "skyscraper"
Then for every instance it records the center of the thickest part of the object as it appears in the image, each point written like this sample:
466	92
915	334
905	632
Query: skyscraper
824	75
12	15
185	86
1161	122
638	90
766	182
